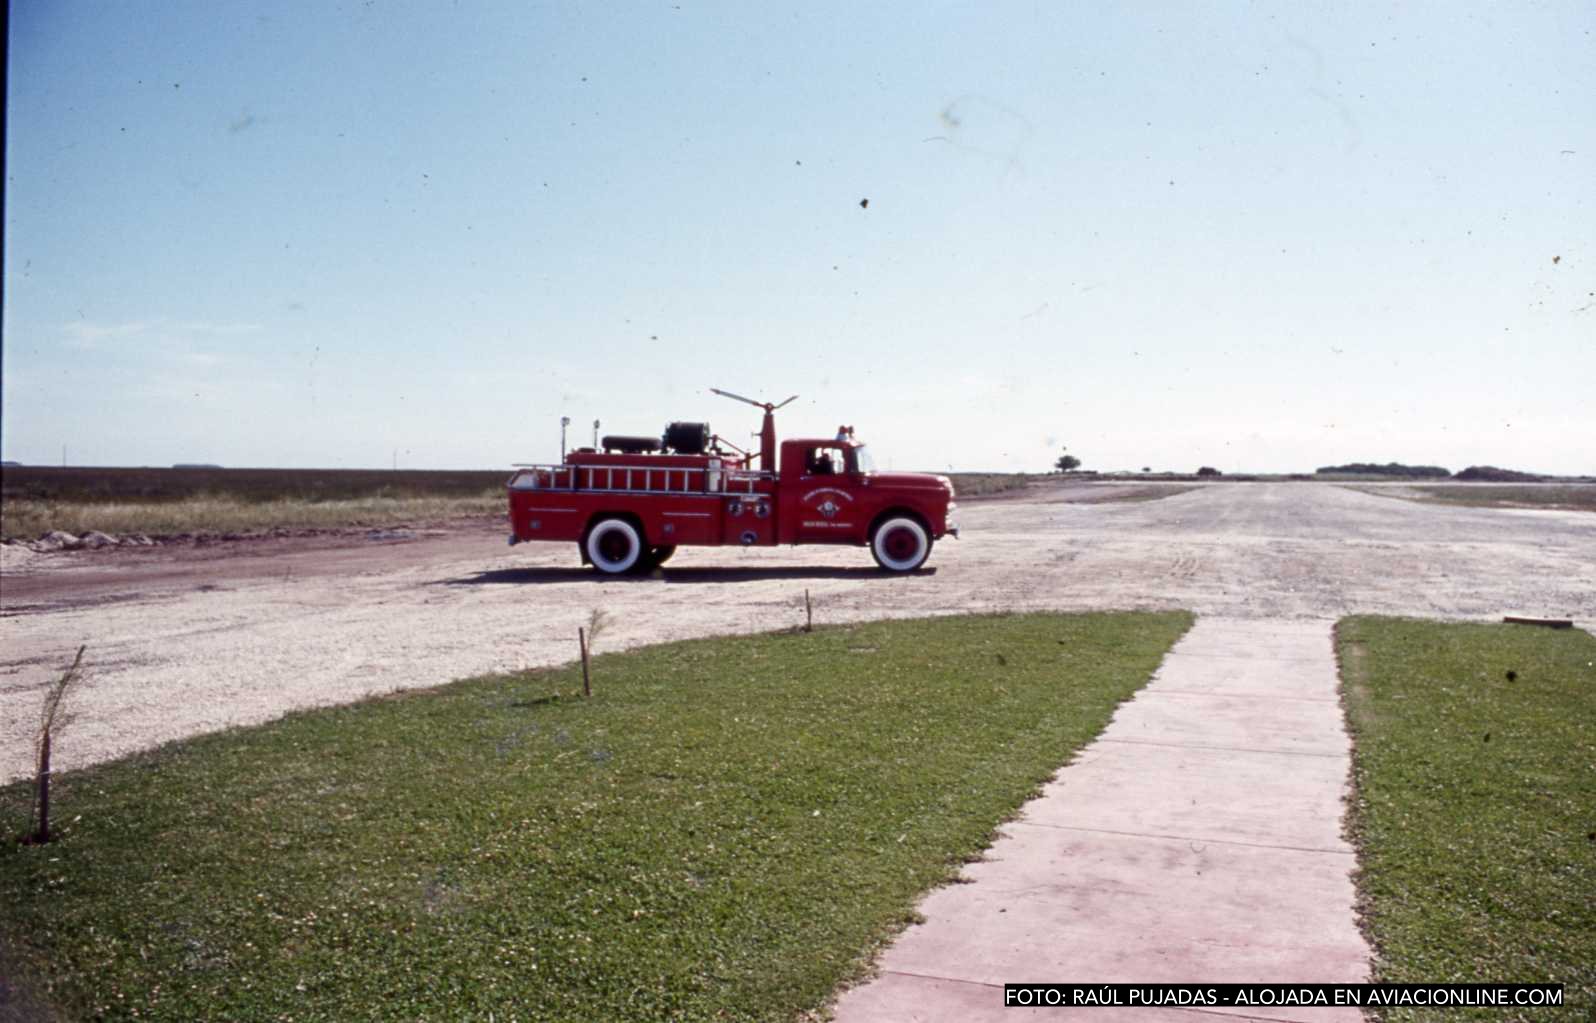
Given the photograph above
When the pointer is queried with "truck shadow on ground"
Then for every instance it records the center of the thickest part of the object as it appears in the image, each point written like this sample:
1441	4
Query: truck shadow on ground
534	576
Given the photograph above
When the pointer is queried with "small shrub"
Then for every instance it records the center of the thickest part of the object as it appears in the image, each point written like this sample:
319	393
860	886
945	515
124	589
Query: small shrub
52	719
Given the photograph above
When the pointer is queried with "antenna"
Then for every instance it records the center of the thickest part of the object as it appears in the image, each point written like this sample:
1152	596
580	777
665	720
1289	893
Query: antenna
767	432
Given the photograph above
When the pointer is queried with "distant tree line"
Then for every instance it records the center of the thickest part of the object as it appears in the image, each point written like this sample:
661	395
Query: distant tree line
1492	474
1487	473
1067	462
1388	469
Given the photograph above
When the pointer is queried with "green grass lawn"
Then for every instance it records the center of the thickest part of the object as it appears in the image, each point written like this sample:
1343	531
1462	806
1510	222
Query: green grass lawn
1476	804
729	829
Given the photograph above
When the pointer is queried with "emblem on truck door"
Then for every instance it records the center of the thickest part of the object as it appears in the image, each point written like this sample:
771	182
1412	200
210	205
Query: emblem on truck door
831	502
824	492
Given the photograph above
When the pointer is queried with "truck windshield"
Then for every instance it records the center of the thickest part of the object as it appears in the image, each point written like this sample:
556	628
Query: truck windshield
862	462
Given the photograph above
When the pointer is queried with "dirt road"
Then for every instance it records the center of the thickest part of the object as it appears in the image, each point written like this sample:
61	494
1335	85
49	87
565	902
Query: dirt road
193	641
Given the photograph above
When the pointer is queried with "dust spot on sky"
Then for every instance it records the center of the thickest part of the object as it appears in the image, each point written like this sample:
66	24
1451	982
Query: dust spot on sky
980	125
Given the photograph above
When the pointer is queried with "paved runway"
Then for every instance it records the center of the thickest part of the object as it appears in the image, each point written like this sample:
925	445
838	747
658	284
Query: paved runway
193	641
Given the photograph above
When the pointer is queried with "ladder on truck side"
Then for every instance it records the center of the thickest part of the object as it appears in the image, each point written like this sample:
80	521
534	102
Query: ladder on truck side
680	481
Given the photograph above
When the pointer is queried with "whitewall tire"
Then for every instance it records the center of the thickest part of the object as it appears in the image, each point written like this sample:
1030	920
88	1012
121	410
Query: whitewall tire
900	544
614	546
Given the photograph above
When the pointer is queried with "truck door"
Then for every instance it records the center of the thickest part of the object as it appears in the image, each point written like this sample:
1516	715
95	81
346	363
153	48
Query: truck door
826	498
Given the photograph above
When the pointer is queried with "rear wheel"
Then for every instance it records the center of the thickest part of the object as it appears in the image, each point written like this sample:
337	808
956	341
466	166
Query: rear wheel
900	544
614	546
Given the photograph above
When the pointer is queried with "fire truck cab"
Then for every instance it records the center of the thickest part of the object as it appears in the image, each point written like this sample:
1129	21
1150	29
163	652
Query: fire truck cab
629	506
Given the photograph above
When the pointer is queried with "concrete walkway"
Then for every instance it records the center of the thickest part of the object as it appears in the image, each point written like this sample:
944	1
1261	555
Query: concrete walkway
1197	840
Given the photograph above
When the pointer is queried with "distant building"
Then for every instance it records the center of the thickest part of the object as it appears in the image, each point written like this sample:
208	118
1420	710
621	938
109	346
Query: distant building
195	465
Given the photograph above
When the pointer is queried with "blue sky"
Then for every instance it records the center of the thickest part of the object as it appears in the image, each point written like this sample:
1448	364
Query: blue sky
1260	237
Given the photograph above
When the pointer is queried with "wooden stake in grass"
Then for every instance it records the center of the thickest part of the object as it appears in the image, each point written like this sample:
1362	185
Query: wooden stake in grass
809	612
586	638
49	721
581	642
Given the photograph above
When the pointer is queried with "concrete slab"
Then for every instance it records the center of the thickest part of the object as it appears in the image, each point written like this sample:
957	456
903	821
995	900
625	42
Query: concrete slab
1078	907
1296	726
1254	676
1242	639
1197	840
1214	795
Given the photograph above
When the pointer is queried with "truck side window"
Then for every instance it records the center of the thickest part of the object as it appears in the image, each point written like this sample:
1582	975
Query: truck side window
818	462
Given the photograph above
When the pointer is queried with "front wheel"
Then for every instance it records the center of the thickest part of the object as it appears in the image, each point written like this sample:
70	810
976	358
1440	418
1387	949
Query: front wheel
614	546
900	545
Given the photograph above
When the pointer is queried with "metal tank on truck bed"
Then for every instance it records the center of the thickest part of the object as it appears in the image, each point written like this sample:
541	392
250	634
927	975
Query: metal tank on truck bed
632	501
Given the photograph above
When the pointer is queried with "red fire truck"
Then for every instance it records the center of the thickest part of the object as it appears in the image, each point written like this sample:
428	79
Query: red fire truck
629	503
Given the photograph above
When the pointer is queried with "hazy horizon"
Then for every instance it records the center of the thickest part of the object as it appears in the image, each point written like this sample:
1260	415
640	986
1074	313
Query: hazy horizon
1086	470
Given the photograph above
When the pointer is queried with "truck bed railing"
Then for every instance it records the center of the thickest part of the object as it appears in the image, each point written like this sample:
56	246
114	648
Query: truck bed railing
628	479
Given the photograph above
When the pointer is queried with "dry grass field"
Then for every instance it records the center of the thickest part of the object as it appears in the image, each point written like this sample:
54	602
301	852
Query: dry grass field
1557	496
224	514
34	500
1579	497
982	484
